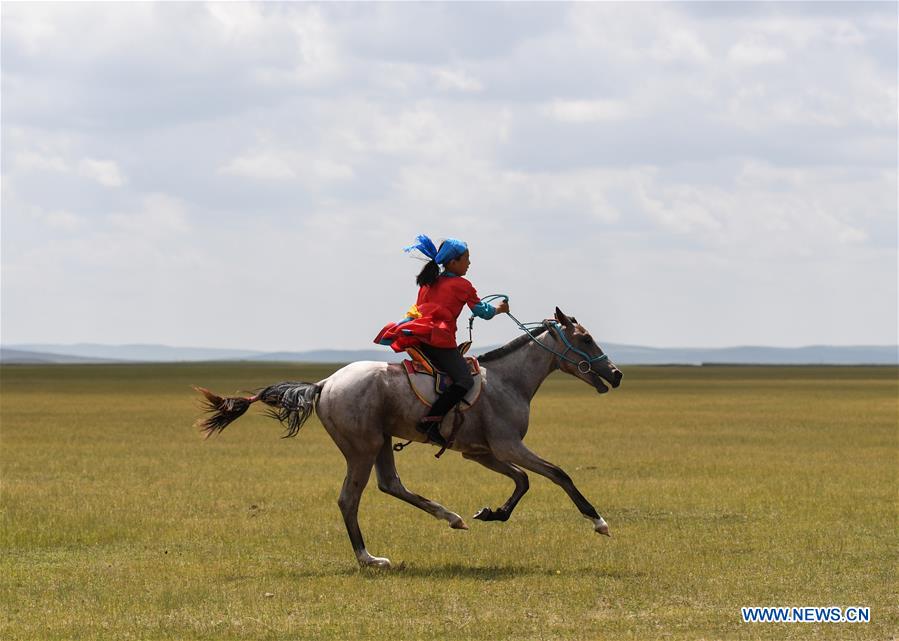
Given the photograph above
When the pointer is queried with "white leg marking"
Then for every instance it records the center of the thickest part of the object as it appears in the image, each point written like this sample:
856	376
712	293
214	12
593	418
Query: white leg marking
456	522
366	560
600	526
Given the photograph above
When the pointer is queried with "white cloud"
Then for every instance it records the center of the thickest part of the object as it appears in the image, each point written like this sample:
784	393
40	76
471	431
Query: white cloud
754	51
160	216
261	165
580	111
762	213
427	131
311	55
105	172
416	131
282	165
666	148
457	80
64	220
678	44
679	209
34	161
239	21
32	30
844	233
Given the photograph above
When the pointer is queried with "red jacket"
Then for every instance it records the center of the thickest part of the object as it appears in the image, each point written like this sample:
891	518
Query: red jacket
439	305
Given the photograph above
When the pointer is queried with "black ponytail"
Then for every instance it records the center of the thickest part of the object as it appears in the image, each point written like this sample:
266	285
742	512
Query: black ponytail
428	274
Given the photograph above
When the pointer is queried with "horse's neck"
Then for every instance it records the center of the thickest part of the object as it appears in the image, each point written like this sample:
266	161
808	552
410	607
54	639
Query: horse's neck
527	367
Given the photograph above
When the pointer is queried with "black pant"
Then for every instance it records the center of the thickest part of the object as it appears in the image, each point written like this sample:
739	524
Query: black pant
449	360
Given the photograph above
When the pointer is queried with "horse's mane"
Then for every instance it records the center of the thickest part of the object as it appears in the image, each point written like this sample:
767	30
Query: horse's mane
510	347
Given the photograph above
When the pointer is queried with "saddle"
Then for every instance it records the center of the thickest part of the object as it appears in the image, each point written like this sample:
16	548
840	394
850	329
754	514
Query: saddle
427	382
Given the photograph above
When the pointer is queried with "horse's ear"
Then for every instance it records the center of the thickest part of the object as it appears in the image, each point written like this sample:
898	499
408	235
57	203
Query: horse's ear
562	318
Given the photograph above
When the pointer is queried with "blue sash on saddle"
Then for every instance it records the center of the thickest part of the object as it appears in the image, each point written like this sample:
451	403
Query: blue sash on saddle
427	382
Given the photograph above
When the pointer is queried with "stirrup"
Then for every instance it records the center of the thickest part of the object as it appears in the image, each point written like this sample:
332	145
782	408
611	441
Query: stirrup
430	426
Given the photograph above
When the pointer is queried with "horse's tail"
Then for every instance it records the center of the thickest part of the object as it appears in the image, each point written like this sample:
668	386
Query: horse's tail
292	403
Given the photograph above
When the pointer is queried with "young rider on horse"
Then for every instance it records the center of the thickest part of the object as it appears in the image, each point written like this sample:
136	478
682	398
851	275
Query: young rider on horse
430	324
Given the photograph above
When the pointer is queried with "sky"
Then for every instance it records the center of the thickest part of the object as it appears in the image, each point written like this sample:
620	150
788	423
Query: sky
246	175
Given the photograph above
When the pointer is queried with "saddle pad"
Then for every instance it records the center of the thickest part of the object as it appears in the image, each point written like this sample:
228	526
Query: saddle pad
427	387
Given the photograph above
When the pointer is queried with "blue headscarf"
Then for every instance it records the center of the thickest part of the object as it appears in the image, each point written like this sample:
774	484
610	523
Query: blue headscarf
450	250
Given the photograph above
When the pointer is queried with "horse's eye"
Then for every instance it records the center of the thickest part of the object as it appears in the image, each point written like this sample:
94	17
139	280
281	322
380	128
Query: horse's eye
588	340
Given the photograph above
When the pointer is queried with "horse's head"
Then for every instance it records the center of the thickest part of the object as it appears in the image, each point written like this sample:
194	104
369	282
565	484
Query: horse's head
582	356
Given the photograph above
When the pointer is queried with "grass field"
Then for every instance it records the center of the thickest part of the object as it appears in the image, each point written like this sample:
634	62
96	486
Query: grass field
723	487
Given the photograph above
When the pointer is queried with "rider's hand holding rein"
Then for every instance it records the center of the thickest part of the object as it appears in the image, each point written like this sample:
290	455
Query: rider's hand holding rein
503	307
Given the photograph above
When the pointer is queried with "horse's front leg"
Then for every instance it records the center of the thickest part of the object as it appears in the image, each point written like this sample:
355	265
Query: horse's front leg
507	469
518	454
358	471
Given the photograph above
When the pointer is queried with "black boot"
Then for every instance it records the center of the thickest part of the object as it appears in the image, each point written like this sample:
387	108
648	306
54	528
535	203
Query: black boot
430	424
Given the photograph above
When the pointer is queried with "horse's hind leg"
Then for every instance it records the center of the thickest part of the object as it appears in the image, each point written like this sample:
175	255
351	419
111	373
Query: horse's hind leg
507	469
518	454
390	483
358	471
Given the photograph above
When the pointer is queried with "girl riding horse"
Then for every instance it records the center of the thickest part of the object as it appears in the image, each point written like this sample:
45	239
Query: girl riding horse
430	324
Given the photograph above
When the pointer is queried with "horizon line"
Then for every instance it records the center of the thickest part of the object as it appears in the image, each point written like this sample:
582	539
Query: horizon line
375	346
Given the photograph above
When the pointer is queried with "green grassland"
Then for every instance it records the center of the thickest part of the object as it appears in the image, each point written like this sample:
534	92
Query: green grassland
724	487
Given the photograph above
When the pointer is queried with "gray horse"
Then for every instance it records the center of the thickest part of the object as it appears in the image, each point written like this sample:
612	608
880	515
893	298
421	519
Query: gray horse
365	404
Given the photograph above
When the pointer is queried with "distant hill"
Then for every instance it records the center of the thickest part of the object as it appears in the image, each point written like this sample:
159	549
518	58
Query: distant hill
331	356
135	353
142	353
757	355
620	354
24	357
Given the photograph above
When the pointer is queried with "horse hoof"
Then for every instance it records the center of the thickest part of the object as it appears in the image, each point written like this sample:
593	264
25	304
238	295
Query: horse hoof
483	514
602	527
379	562
486	514
458	524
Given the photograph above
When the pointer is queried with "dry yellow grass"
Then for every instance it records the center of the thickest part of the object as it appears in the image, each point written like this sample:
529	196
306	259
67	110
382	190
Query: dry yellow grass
724	487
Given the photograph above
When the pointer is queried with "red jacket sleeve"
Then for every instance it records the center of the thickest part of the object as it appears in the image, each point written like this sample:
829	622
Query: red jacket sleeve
467	293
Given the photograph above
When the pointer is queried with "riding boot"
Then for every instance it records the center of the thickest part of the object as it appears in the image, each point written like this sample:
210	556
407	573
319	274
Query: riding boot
430	424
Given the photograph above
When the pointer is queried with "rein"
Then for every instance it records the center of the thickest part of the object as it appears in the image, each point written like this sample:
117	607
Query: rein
584	366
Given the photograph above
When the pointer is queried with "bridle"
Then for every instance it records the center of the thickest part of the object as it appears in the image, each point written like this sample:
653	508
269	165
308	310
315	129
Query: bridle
584	366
